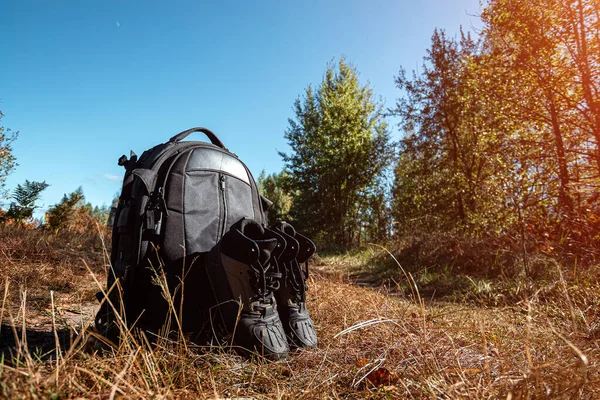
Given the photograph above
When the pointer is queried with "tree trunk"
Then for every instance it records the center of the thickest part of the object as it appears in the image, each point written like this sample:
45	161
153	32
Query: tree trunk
454	155
564	198
583	64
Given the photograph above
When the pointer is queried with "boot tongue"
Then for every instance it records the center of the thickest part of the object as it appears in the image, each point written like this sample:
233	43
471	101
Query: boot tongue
286	228
307	248
266	247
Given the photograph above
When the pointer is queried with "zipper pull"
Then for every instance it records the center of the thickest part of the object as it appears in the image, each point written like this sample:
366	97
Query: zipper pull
222	182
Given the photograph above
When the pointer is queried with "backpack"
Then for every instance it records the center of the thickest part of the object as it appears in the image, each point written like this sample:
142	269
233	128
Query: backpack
178	200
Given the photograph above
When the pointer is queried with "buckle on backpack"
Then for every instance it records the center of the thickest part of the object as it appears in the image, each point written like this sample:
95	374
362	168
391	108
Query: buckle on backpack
121	270
153	221
155	211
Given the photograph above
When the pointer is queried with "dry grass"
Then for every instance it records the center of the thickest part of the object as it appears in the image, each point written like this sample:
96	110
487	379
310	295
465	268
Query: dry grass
374	343
39	262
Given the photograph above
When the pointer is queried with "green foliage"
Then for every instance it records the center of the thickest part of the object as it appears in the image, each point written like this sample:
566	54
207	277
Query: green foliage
339	148
7	159
502	134
60	214
25	196
100	213
75	215
445	176
529	43
374	213
272	187
547	55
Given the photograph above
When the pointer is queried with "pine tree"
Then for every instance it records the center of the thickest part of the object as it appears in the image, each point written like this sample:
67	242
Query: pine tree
25	197
60	214
339	146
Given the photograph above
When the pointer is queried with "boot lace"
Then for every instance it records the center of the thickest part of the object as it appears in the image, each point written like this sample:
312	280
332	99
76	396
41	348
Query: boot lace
265	280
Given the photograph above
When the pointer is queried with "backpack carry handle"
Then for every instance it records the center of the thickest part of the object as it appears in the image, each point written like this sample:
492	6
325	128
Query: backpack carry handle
213	138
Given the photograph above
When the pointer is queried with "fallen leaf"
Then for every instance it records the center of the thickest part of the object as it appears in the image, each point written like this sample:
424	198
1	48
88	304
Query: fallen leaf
362	362
382	376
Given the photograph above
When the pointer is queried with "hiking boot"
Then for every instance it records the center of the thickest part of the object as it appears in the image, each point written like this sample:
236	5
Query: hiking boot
291	296
243	274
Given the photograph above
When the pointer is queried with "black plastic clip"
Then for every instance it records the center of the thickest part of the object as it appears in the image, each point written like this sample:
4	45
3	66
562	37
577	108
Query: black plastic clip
155	211
123	160
153	222
126	162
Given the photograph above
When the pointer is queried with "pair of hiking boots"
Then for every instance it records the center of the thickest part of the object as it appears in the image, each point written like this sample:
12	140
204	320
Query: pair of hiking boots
259	288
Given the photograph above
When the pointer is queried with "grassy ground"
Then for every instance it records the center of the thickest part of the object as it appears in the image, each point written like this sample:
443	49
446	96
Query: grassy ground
376	341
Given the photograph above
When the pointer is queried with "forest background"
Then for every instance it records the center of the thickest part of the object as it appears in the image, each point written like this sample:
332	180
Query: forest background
500	143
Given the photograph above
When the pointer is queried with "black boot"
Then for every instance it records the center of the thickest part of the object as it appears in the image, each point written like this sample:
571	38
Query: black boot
243	273
291	296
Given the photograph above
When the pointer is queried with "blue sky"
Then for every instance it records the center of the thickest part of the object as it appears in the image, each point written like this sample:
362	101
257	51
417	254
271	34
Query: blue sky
86	81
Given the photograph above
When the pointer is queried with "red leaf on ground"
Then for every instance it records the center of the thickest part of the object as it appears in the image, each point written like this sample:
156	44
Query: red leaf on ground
362	362
382	376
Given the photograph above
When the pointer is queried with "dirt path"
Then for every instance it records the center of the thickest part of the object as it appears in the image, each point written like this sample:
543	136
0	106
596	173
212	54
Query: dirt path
39	334
40	331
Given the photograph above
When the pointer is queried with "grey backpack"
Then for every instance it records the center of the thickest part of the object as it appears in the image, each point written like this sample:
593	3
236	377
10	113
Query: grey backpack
178	200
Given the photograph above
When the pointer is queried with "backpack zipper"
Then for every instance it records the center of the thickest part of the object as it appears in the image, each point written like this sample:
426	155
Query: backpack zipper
224	201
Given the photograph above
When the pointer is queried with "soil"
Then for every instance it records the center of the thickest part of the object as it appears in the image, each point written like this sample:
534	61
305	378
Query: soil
40	332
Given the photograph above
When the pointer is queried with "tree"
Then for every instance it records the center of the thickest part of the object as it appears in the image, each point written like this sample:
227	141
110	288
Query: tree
444	176
339	146
374	213
74	214
550	53
60	214
272	187
7	159
527	36
25	196
502	134
100	213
